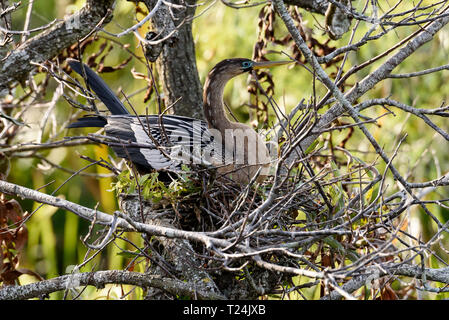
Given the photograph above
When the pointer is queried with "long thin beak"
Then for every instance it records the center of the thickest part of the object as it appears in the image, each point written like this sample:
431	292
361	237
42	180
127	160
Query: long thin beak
269	64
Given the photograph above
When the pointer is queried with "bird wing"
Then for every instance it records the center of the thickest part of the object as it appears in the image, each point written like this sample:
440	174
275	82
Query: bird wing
159	143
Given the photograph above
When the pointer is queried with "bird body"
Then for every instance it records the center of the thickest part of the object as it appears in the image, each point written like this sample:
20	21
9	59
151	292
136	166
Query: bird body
165	142
247	146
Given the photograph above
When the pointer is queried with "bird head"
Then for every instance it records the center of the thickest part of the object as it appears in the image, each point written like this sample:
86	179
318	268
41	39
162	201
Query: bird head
233	67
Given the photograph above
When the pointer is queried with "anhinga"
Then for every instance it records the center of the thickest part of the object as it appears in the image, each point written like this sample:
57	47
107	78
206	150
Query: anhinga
235	149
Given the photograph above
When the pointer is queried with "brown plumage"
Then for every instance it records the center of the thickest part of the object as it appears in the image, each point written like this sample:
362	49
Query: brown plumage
247	147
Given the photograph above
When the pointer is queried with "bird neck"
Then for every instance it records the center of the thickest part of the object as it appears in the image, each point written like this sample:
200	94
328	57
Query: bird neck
213	105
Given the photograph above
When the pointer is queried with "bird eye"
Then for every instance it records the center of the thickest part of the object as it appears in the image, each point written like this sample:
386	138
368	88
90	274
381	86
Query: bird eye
247	64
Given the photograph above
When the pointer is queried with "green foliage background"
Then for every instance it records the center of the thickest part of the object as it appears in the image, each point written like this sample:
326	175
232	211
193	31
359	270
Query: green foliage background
54	245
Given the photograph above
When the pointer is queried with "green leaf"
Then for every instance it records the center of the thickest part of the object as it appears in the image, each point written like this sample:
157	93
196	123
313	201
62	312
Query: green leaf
311	147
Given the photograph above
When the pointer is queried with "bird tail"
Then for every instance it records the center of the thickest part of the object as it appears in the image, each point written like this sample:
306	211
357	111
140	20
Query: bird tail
89	121
101	89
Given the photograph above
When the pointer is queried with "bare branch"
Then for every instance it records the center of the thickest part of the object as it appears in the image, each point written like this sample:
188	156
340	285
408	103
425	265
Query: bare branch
49	43
101	278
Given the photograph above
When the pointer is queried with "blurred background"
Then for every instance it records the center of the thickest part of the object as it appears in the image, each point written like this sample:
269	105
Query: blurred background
54	243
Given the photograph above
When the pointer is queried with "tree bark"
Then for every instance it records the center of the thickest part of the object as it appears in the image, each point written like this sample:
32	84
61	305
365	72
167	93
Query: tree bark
316	6
176	64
